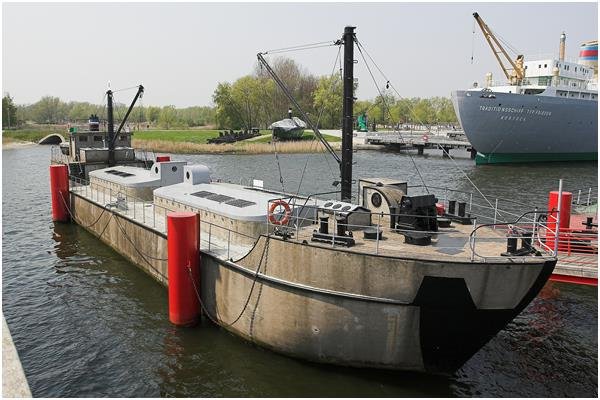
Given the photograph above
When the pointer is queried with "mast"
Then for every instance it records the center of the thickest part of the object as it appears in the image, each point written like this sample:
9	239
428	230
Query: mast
111	128
347	114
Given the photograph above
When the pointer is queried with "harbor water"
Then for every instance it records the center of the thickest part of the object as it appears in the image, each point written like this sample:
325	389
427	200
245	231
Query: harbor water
88	323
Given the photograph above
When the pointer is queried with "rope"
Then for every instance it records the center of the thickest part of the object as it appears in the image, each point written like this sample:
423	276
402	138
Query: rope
135	247
215	319
278	165
469	179
73	217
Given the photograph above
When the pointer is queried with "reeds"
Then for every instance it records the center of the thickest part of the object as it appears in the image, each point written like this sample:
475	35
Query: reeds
232	148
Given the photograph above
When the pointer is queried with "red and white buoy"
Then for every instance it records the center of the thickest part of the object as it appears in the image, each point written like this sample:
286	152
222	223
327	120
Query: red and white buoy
183	242
59	192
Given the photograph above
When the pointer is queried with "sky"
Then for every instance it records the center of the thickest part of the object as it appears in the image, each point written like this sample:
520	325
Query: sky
180	51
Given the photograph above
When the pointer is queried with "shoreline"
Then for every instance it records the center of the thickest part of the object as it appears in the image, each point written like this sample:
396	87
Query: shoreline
16	144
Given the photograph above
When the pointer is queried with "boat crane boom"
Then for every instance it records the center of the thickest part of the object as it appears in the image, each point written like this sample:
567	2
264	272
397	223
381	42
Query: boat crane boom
515	73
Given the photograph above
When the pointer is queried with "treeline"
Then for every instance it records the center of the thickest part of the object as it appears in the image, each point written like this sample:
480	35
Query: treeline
256	101
52	110
253	101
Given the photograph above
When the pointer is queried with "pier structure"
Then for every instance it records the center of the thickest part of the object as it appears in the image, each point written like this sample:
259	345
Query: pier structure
410	140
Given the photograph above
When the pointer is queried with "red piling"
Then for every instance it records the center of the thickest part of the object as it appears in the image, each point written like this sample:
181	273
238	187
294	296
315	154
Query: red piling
59	192
183	260
565	215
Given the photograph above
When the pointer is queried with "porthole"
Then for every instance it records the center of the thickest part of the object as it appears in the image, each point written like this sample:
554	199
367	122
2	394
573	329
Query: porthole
336	206
156	170
174	168
376	199
187	175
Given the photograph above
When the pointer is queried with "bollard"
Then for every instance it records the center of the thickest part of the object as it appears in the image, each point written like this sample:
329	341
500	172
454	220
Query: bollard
59	192
452	207
183	254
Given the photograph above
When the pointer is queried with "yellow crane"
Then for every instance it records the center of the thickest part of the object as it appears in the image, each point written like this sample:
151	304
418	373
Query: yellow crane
515	72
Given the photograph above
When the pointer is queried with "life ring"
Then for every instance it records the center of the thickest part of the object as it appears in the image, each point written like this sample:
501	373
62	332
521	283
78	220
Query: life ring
286	216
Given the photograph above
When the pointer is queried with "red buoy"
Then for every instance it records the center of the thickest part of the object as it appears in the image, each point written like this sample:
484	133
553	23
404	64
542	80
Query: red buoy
183	267
565	215
163	158
59	192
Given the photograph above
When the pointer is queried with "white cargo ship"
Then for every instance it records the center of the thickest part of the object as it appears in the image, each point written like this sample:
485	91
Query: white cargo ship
547	111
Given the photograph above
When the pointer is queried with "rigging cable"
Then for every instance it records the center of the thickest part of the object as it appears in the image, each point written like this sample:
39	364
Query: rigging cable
412	111
473	41
317	123
388	109
300	47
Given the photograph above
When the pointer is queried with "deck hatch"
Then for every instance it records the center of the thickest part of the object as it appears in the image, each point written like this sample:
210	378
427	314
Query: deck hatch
240	203
202	194
219	198
119	173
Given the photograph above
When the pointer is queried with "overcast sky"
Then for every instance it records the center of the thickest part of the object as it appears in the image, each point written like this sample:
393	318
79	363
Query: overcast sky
180	51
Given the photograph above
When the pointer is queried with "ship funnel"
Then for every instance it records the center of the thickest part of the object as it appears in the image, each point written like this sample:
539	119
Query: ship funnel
561	48
588	55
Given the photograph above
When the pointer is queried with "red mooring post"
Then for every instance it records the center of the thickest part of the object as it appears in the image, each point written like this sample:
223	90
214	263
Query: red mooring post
59	192
565	215
183	239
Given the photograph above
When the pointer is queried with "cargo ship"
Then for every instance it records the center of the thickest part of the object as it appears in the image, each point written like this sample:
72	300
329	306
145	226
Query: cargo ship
547	111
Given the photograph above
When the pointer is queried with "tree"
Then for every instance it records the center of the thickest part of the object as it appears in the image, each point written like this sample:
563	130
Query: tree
49	110
9	112
152	114
328	100
168	117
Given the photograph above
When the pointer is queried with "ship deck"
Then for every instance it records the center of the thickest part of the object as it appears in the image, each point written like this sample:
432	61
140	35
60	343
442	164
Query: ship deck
448	244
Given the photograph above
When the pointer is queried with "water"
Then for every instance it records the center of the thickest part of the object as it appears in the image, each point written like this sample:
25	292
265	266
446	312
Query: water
88	323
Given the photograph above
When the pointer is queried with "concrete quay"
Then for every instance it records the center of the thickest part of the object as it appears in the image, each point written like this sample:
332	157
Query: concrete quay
14	382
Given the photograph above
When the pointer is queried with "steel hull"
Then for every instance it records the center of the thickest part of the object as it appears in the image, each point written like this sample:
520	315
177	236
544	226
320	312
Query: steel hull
528	128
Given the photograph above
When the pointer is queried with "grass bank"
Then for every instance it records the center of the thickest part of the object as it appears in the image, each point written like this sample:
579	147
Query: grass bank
305	146
28	135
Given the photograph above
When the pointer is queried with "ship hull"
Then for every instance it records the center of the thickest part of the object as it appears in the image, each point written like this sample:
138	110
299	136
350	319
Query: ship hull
512	128
361	310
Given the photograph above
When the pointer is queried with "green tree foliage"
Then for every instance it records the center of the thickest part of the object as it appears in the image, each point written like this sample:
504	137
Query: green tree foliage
168	117
9	112
328	101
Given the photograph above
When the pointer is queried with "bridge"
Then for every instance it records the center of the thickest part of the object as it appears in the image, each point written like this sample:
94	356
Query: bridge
53	138
421	141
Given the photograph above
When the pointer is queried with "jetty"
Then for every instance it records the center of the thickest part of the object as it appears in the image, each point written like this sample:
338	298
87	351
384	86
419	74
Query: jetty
420	140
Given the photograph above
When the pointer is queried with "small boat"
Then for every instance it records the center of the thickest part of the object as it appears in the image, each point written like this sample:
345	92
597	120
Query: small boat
89	148
288	129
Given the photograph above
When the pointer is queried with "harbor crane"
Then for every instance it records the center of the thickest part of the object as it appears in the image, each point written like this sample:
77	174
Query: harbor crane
515	71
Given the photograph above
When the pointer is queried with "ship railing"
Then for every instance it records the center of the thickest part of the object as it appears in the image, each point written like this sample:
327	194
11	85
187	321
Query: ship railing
585	196
487	210
215	238
305	213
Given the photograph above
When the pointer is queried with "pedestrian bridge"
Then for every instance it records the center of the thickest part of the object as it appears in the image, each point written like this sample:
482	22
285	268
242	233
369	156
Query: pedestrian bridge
53	138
